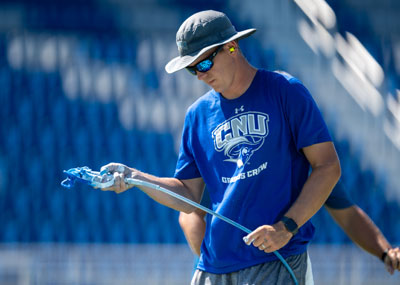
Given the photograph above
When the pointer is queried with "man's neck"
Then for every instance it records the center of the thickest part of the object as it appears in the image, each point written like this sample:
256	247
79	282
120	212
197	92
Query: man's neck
242	81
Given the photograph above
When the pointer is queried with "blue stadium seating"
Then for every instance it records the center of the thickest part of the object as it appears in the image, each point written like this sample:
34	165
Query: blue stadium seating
44	131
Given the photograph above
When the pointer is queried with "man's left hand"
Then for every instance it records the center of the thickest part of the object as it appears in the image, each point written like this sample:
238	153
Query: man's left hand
269	238
392	260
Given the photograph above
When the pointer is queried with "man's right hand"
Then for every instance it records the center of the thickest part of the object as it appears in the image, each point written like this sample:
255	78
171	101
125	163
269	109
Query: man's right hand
119	171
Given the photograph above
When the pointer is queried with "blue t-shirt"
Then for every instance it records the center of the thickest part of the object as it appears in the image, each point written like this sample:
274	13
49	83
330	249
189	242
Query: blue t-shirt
248	151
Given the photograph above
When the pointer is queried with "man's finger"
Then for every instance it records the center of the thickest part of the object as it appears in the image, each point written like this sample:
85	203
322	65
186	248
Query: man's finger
248	240
112	168
106	169
397	258
118	180
259	241
106	189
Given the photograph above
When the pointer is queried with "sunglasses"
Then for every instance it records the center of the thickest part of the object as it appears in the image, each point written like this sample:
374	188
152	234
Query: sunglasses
204	65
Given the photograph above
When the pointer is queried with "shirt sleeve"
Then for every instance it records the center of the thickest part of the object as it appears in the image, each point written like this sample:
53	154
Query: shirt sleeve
304	117
339	198
186	167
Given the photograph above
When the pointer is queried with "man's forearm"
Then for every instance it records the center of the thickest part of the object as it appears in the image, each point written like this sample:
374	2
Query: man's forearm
194	227
360	229
315	191
191	189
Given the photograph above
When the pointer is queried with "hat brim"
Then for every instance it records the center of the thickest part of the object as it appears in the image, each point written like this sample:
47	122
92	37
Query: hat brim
181	62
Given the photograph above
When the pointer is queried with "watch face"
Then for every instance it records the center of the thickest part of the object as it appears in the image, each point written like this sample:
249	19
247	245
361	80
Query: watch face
290	225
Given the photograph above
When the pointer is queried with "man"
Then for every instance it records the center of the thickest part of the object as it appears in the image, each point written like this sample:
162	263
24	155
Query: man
351	218
251	139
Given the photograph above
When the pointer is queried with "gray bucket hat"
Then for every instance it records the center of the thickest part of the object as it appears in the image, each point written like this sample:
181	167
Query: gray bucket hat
200	33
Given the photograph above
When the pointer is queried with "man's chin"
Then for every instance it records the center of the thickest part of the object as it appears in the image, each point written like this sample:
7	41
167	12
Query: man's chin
215	87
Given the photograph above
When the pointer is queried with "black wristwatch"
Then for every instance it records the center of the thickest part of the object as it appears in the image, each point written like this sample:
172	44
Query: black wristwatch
384	254
290	225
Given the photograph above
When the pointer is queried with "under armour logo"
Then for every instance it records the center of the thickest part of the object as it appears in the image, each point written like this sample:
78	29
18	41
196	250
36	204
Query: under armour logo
241	109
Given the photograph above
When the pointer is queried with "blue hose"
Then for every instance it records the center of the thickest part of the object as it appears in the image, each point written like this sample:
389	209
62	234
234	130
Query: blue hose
94	179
